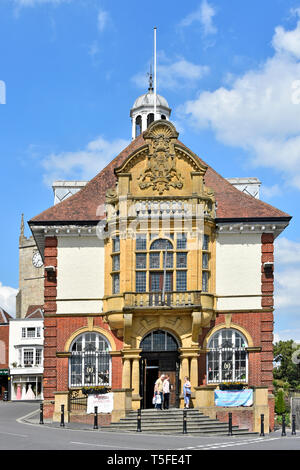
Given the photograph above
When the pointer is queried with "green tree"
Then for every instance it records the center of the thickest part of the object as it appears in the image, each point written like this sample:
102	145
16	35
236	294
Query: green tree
286	370
280	407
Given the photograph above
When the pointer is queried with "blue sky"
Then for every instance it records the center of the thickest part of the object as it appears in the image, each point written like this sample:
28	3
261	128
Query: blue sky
72	69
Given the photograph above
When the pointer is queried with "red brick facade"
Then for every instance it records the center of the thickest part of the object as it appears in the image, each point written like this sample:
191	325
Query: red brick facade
258	324
58	330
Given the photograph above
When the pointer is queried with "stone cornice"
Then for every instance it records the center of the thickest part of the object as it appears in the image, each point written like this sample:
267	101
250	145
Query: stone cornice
248	226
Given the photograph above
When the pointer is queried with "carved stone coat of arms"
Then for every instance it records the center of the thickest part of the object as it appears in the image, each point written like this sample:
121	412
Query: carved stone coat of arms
160	173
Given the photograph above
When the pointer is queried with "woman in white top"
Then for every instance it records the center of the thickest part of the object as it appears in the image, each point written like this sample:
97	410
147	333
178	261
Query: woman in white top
166	392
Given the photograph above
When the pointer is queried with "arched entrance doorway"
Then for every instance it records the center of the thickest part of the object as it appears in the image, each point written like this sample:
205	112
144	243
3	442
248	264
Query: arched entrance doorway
159	356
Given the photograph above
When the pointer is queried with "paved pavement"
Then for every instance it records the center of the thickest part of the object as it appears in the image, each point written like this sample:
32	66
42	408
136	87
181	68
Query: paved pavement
20	431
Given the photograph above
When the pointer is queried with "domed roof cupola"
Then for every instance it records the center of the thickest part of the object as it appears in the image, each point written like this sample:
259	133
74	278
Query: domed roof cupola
142	111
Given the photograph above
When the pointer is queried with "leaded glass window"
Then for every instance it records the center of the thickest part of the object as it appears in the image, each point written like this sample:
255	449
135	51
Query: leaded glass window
141	260
181	260
116	263
227	359
116	244
140	281
159	340
90	361
141	243
116	283
181	281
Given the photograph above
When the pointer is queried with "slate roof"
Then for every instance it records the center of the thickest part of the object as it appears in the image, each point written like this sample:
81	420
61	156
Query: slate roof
4	316
35	311
232	204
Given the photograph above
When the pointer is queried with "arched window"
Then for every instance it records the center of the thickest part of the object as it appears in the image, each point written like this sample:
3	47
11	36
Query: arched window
161	244
150	118
163	116
138	125
90	361
159	340
227	358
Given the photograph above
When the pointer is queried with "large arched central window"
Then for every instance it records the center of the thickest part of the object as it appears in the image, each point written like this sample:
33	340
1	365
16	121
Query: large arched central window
227	359
90	361
161	263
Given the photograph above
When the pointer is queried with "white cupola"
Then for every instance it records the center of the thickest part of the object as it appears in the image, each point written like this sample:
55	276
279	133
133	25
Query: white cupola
142	112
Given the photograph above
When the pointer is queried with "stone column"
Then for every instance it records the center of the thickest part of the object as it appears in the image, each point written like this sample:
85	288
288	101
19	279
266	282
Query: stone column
184	368
131	375
144	122
126	374
194	372
136	376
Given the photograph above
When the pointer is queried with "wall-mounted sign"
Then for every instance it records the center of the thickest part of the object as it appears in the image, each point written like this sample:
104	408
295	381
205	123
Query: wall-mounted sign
104	402
234	397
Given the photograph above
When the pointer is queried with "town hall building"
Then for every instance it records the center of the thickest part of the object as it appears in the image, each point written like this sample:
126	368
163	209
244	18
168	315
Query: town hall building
158	265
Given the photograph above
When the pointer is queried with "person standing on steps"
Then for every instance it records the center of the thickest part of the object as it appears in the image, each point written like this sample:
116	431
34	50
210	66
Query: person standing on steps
166	392
158	392
187	392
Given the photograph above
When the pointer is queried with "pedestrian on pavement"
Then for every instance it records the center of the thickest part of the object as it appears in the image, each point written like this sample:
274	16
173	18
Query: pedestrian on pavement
158	392
166	392
187	392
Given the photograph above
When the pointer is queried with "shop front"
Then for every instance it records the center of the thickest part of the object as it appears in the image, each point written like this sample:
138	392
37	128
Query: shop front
26	387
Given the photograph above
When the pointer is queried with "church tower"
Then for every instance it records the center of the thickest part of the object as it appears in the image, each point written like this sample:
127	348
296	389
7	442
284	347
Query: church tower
31	275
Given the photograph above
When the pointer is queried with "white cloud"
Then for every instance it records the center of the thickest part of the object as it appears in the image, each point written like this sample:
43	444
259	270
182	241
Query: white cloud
33	3
203	15
102	20
287	284
173	75
8	299
82	164
287	251
286	335
267	192
260	110
287	41
287	274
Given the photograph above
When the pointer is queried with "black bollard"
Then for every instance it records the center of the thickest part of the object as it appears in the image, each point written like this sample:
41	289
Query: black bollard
283	433
184	422
41	414
229	424
139	420
62	416
293	425
96	417
262	425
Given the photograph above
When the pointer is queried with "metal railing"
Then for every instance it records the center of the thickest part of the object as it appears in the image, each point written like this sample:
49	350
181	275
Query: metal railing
78	404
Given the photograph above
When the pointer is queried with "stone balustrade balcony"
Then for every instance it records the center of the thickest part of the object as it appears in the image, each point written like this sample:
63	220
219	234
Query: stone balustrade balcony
172	300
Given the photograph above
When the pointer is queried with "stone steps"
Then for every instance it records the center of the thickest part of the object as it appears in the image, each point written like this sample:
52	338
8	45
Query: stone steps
171	422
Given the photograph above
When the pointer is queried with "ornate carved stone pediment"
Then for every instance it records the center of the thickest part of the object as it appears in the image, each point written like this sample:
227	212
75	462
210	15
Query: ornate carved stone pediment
161	173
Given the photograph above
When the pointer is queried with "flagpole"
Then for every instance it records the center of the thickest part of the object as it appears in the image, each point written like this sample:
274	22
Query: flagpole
155	74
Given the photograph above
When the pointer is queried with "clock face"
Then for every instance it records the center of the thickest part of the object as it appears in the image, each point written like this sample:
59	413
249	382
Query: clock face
37	260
